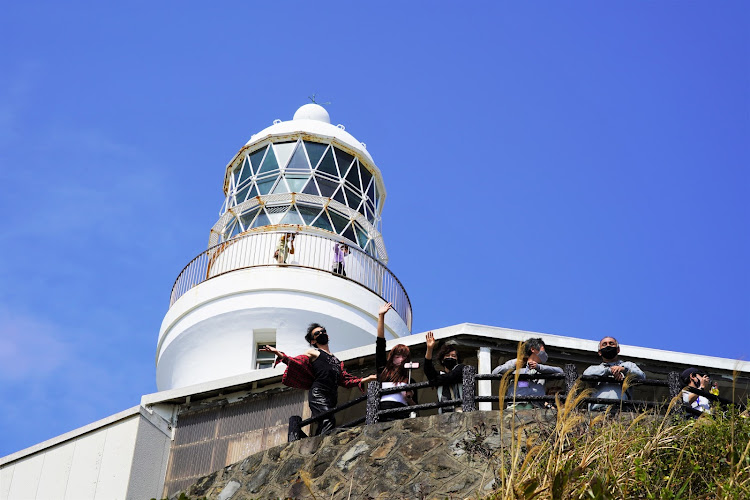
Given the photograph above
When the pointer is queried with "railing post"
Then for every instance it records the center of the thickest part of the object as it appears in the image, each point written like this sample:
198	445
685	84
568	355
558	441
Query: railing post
467	393
571	375
675	384
295	430
373	402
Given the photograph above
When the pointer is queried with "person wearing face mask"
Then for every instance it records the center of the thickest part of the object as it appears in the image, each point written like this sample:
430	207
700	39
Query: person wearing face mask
611	367
697	379
535	355
392	372
449	381
319	371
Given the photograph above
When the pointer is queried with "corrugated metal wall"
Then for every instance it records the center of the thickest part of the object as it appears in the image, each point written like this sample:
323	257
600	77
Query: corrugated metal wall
207	440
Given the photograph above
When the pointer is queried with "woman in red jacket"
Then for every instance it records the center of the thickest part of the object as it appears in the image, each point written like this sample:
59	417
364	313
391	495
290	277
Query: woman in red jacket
319	371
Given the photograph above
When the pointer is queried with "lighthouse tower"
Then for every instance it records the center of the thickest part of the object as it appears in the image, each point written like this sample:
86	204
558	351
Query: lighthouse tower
297	241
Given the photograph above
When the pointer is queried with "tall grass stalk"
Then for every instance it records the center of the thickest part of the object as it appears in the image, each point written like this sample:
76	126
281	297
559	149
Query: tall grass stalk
654	455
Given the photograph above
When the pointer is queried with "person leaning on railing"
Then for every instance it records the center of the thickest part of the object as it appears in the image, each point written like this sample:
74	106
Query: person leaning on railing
534	357
611	367
319	371
450	379
392	371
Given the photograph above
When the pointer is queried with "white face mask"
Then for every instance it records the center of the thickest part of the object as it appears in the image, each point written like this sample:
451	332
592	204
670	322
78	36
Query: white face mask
542	355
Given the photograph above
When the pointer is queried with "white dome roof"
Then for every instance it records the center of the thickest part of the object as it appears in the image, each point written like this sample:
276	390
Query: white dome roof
312	111
312	119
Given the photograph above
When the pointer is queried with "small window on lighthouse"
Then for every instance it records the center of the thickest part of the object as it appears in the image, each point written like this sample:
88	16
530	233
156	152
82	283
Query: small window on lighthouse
263	359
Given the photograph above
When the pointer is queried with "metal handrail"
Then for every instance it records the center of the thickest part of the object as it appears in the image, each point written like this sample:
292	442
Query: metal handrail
469	399
312	251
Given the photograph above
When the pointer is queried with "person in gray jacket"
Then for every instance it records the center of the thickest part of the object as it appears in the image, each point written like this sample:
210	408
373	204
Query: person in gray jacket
535	355
612	367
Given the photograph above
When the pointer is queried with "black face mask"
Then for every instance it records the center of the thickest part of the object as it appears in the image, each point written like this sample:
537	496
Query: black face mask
321	339
449	363
609	352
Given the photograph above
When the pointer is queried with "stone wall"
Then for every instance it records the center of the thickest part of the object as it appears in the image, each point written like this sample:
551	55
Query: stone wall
440	456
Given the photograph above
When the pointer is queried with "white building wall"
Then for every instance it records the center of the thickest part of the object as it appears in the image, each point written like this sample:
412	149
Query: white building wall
94	462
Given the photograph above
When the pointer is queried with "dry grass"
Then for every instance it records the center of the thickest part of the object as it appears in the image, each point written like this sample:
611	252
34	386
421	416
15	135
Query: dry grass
646	455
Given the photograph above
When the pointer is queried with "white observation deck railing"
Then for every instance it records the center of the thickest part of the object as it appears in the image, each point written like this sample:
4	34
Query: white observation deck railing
310	251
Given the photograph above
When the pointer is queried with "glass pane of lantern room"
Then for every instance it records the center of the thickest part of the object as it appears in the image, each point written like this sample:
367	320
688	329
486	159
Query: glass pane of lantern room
366	176
315	151
308	213
353	199
338	221
339	196
296	182
241	194
269	163
261	220
326	187
349	233
361	236
256	157
311	188
344	160
264	186
283	152
292	217
247	218
299	160
328	165
246	173
371	192
280	187
353	177
323	223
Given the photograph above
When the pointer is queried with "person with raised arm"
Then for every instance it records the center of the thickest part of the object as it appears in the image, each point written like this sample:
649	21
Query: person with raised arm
449	381
320	372
391	369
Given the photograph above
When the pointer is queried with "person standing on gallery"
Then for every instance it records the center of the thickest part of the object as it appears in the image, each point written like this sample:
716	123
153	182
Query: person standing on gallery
321	373
392	371
449	381
535	355
284	248
611	367
340	250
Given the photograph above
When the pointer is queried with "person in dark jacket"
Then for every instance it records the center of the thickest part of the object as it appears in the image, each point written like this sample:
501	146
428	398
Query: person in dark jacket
319	371
392	371
449	381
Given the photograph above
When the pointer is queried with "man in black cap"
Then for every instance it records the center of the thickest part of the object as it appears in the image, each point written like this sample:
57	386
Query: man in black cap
697	379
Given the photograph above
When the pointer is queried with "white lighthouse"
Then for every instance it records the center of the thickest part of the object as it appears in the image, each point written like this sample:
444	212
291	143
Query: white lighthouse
297	241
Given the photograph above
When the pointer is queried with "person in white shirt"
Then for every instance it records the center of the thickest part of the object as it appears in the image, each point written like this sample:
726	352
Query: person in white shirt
697	379
535	355
392	371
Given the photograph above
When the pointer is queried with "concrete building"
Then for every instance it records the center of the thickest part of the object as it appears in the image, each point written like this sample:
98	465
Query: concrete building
219	397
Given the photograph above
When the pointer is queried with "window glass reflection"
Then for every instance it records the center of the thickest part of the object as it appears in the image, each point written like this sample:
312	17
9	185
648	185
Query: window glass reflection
315	151
299	160
283	151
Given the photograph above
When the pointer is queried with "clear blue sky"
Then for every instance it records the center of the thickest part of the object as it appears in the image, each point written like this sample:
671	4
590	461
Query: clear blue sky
577	169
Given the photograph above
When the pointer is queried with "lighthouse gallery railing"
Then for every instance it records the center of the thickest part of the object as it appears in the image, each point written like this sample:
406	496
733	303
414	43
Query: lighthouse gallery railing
311	251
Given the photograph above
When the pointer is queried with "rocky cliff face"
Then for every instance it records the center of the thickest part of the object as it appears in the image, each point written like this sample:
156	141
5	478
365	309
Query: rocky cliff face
441	456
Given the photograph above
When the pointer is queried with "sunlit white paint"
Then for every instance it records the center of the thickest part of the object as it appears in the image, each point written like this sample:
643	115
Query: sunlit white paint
94	462
208	333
